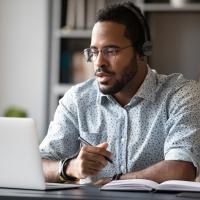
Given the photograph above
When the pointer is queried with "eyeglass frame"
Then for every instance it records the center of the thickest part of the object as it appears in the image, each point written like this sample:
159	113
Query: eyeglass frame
104	51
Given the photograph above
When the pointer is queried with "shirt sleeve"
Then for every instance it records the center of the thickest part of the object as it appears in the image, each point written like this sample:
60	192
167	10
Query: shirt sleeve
61	140
183	125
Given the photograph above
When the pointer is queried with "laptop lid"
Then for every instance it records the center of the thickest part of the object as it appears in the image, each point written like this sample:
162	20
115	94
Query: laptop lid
20	161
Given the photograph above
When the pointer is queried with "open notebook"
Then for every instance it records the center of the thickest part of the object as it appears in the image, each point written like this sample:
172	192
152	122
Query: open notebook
148	185
21	165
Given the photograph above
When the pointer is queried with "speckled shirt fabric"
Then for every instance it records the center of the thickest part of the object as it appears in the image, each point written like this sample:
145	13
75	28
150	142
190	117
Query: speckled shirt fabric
161	122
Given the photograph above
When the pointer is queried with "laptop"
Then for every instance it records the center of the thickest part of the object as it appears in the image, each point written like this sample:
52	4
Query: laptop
20	161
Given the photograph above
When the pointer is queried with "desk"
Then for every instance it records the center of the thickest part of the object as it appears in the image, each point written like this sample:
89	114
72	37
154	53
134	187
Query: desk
86	192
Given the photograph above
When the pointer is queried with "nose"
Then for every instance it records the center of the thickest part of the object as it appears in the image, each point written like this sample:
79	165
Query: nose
100	60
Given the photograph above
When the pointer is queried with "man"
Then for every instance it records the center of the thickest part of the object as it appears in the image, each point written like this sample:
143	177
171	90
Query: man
148	124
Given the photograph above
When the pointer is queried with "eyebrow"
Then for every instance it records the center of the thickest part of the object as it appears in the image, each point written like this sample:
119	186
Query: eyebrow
107	46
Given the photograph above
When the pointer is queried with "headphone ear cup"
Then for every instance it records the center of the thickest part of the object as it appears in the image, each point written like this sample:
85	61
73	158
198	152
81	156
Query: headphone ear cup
147	48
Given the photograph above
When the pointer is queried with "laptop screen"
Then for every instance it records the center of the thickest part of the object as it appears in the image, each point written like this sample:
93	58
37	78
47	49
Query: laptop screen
21	165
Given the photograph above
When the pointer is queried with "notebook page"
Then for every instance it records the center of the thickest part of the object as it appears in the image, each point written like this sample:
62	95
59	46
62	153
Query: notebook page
177	185
131	184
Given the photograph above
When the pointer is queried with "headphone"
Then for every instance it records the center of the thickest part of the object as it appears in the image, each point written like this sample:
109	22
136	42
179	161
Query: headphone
147	46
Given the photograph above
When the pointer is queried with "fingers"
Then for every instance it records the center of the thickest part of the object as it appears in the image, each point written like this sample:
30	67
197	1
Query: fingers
103	181
94	160
103	145
89	169
99	150
91	160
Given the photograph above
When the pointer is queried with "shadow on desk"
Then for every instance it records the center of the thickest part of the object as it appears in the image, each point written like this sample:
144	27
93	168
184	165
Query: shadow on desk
189	195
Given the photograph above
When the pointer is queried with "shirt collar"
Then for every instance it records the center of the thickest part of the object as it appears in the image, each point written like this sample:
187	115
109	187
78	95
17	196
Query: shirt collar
100	96
146	91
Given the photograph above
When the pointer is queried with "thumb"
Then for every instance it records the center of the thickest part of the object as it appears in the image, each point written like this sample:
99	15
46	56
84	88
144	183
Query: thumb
103	145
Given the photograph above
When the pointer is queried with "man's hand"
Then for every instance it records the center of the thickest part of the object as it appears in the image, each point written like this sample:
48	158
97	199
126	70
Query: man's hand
103	181
89	162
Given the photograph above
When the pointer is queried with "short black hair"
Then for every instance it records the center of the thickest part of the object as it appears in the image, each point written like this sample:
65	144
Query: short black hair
129	15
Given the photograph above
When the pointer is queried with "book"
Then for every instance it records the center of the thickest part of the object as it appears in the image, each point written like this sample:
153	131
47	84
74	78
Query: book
80	14
148	185
65	68
71	14
90	14
100	4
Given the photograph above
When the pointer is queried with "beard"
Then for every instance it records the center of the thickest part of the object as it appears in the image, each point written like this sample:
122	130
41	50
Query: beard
127	75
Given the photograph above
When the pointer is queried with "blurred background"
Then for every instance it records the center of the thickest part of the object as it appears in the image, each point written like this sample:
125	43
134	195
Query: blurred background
24	29
41	44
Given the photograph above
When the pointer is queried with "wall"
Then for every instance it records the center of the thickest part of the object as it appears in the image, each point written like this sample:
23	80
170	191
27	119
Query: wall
176	43
23	57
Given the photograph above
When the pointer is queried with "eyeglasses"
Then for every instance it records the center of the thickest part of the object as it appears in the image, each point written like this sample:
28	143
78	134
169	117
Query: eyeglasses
109	53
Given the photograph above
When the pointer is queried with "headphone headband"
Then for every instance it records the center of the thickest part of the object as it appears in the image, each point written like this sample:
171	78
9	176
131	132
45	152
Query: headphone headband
147	46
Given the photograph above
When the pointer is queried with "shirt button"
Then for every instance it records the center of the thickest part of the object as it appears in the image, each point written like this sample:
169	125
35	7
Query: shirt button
122	140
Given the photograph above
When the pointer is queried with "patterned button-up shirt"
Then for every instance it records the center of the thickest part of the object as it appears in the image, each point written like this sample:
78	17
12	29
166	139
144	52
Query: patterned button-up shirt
161	122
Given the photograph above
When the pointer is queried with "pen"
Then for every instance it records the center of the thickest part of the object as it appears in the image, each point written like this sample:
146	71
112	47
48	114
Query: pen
87	143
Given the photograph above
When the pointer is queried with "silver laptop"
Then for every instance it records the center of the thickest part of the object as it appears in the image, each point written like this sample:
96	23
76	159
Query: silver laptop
20	161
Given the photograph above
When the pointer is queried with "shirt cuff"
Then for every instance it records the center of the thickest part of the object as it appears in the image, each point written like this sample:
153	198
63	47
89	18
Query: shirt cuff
183	155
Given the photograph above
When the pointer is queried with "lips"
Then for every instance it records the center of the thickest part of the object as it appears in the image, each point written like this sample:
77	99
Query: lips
103	77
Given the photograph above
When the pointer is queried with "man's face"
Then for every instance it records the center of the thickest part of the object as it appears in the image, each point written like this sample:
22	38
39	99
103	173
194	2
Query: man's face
113	72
